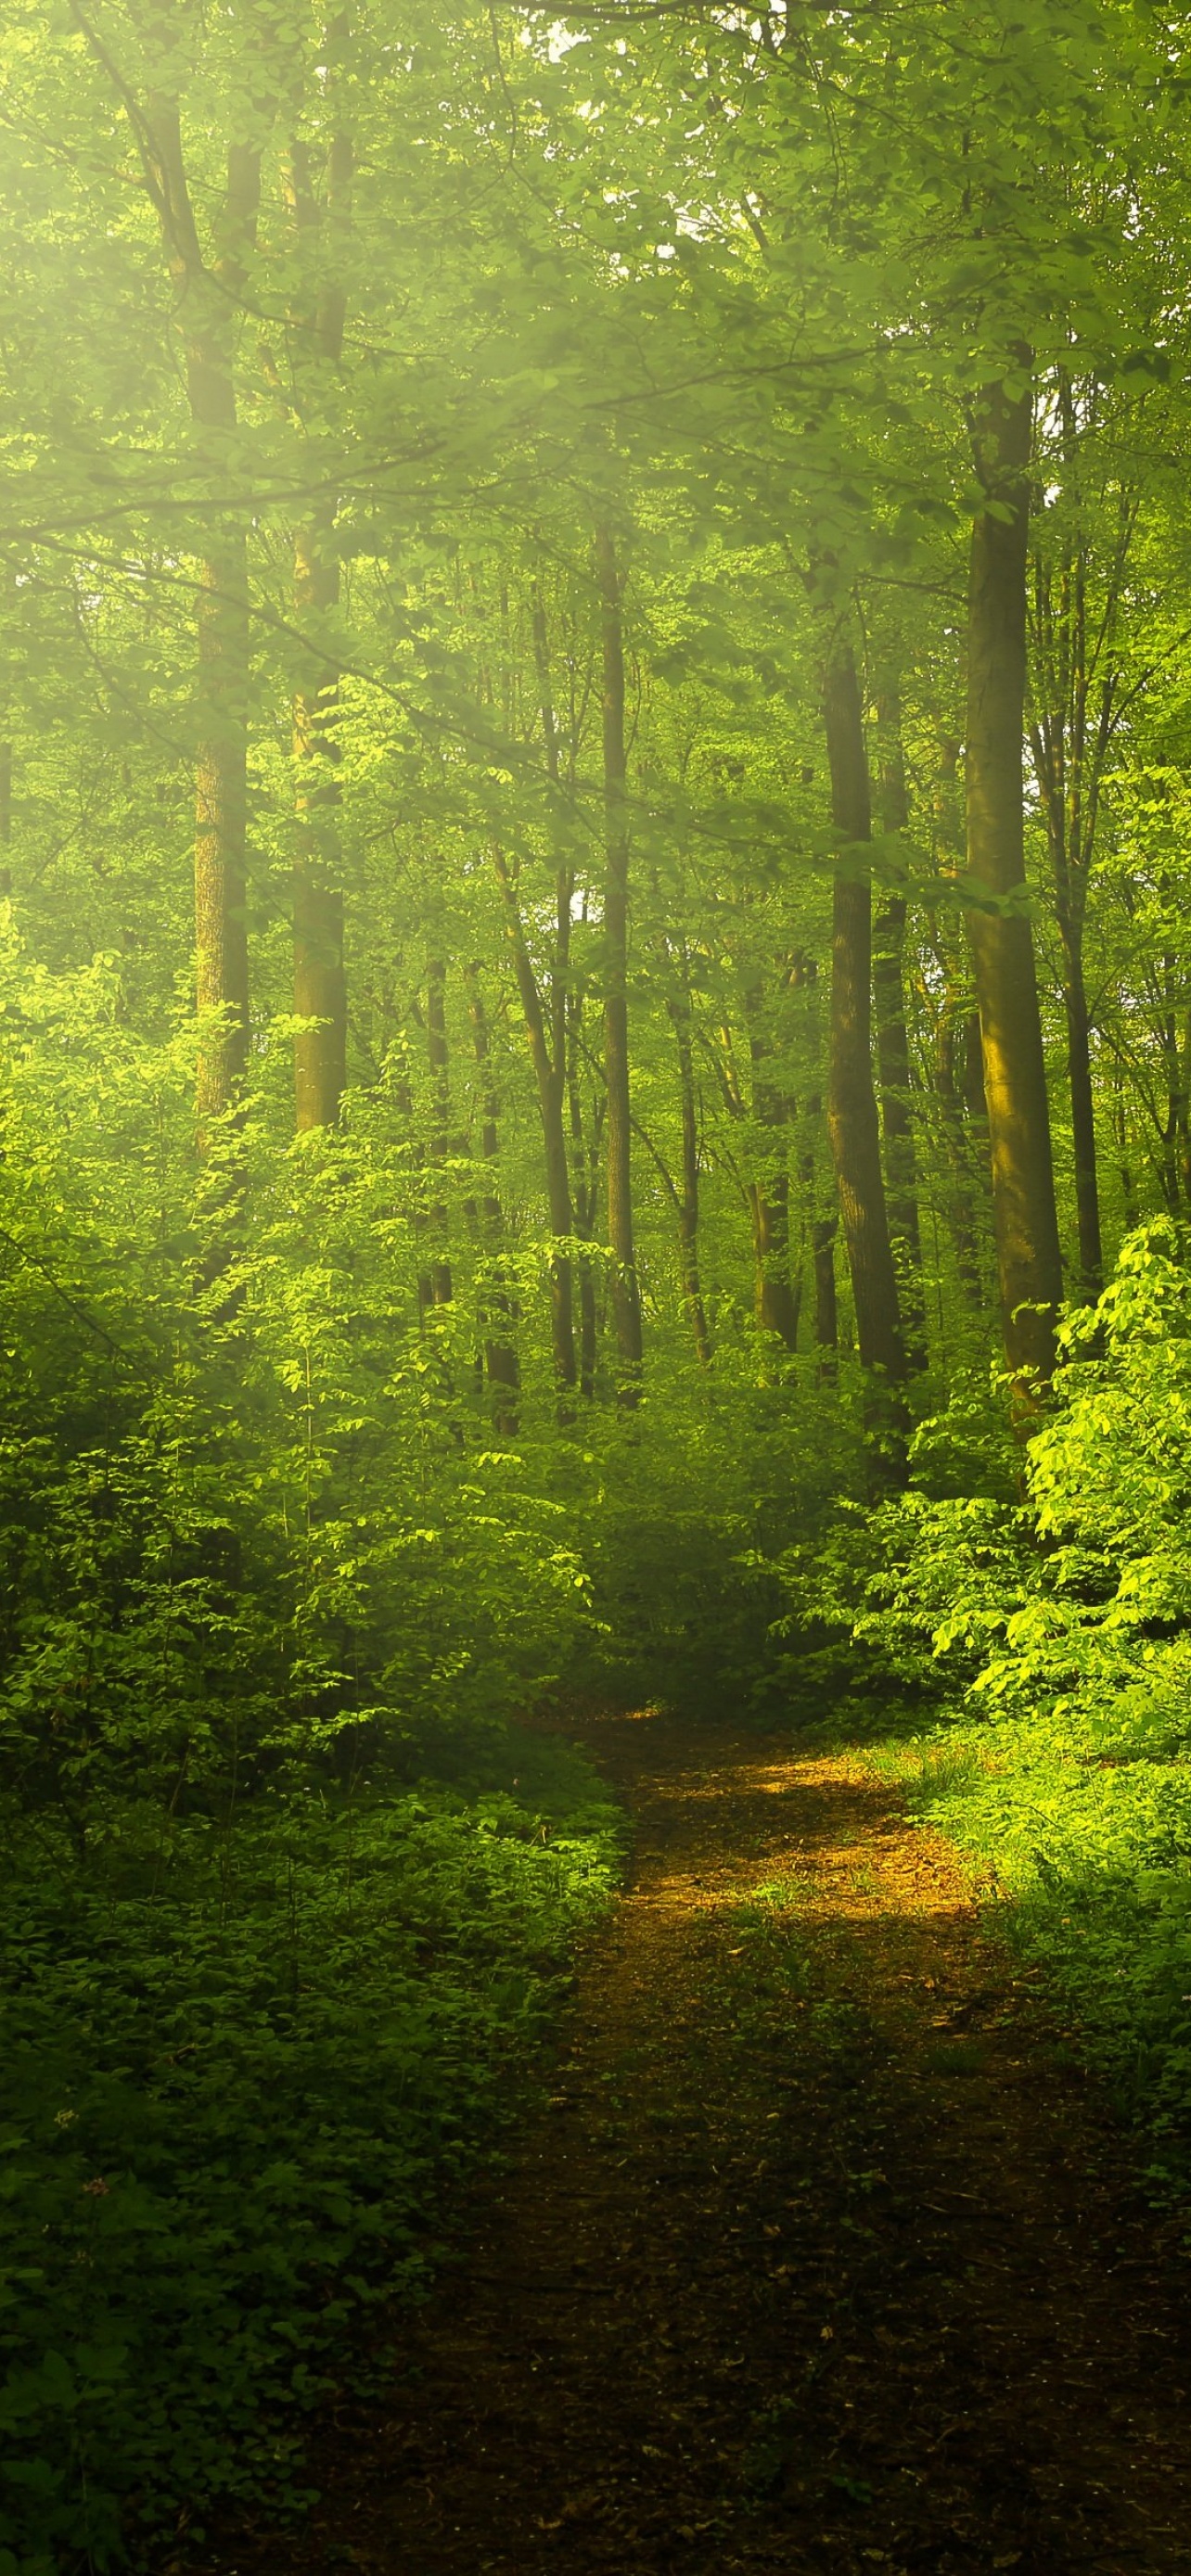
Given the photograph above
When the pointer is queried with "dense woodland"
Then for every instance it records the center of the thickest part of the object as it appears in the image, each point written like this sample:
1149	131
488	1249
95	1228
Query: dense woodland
595	771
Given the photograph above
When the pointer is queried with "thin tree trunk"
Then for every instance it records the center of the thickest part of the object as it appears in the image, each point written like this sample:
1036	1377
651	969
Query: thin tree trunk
501	1367
1026	1225
826	1301
221	829
1083	1123
851	1100
442	1288
1129	1208
550	1076
688	1207
587	1171
893	1052
626	1300
206	298
1070	740
769	1197
320	985
823	1231
951	1091
958	1070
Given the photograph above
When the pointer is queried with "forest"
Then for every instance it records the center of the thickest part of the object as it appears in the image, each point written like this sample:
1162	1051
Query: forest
595	1279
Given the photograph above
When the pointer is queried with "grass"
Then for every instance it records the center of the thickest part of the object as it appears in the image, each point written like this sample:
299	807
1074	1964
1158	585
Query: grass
1087	1857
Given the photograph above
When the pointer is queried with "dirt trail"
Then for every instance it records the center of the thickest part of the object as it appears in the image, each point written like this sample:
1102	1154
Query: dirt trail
822	2255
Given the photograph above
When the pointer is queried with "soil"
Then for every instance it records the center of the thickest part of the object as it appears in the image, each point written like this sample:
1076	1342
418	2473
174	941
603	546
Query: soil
821	2254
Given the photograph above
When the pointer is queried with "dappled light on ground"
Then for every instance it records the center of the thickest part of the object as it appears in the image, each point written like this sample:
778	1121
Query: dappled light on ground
818	2254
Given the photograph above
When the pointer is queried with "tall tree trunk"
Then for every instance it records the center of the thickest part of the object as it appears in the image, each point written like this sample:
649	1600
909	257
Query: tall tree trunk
221	828
688	1205
1083	1123
769	1196
442	1286
822	1231
1025	1221
893	1051
501	1367
1130	1212
206	300
958	1069
549	1065
951	1059
626	1299
826	1302
586	1153
1076	682
851	1099
320	985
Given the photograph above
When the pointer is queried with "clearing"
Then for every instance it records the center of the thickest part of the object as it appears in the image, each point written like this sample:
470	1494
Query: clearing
821	2254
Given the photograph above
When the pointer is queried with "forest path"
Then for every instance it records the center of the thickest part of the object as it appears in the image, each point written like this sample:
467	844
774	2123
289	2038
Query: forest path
821	2255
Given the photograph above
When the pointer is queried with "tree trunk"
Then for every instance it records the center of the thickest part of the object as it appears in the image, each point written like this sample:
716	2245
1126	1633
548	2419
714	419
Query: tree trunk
1026	1225
550	1076
822	1231
206	298
586	1152
826	1302
501	1368
958	1069
1083	1124
442	1287
221	829
893	1055
769	1197
626	1300
951	1084
851	1100
688	1206
320	986
1130	1211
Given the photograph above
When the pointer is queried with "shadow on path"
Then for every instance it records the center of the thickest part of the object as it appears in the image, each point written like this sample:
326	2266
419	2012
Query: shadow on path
821	2255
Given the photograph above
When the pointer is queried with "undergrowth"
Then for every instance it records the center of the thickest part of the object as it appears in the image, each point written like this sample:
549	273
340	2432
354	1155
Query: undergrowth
1088	1860
1020	1621
241	2074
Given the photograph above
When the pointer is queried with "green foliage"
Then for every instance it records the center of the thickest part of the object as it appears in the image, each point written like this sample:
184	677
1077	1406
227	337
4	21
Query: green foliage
243	2071
340	351
1066	1771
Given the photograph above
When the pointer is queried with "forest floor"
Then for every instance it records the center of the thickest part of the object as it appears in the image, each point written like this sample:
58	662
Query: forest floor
821	2253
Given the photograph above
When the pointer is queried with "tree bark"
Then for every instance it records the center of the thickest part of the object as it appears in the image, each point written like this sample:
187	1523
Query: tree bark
1077	675
1083	1126
1025	1221
769	1197
320	984
688	1202
206	300
851	1099
501	1368
823	1231
826	1302
550	1074
586	1152
221	830
442	1286
893	1054
626	1300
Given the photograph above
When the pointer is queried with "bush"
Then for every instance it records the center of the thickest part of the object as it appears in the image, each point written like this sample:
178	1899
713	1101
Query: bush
240	2076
